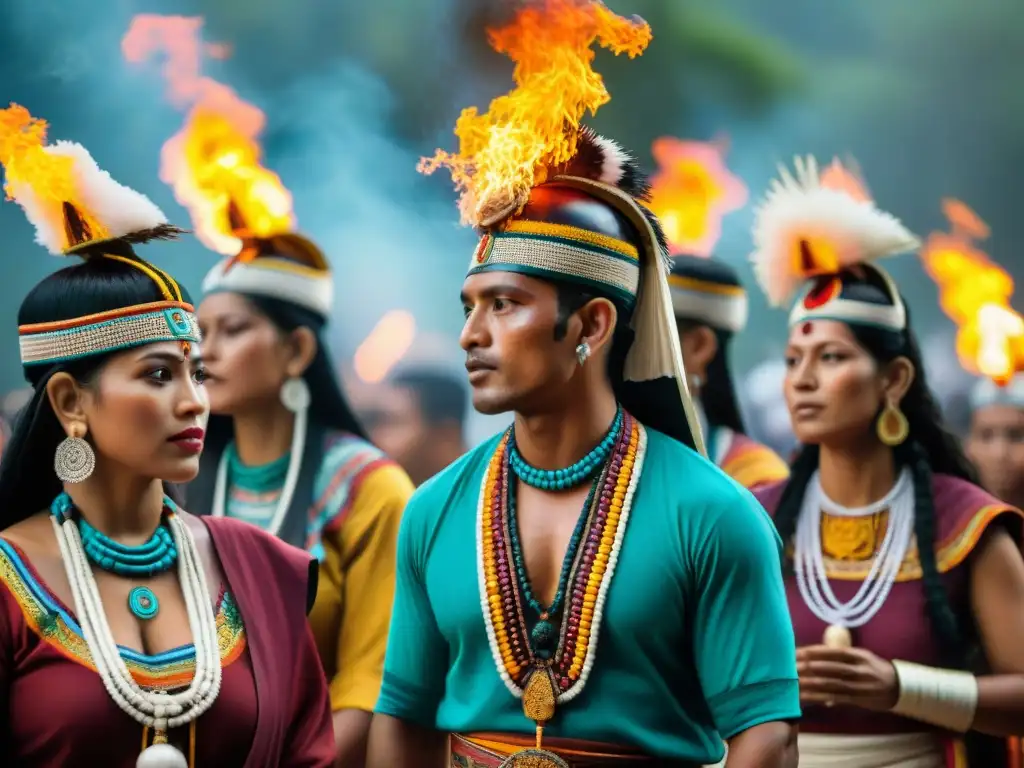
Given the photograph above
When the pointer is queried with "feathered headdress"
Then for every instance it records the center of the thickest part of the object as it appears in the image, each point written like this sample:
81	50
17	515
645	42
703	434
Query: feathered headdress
514	159
806	229
74	205
77	208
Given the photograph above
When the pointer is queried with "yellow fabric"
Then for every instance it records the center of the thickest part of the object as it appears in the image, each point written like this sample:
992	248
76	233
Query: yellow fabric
352	611
756	467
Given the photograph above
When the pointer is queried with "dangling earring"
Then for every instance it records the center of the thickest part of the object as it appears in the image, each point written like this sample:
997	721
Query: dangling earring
74	460
582	352
295	394
694	381
892	426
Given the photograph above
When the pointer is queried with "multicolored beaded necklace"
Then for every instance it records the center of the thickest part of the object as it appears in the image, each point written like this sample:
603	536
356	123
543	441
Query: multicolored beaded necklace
152	557
538	664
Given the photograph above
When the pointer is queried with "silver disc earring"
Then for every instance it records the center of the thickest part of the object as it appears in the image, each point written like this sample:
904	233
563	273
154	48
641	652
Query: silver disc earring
295	394
74	460
582	352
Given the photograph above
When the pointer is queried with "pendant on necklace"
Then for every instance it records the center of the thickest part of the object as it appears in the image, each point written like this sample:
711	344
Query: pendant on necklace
143	603
837	636
161	754
539	706
543	638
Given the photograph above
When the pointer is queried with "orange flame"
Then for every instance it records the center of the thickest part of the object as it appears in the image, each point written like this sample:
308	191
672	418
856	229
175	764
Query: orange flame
975	293
842	179
44	180
506	151
385	346
214	162
691	193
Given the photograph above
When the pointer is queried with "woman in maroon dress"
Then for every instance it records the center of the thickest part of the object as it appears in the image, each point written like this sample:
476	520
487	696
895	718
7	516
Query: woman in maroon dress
131	634
906	581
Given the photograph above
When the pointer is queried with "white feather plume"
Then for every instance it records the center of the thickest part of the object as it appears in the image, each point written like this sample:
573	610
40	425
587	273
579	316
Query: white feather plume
614	162
799	207
120	209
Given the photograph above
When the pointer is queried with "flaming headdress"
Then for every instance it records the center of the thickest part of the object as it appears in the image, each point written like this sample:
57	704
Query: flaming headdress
975	293
214	163
553	199
78	209
825	230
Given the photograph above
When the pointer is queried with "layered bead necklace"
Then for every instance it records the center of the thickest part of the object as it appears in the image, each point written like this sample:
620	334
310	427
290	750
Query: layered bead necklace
811	573
539	662
81	547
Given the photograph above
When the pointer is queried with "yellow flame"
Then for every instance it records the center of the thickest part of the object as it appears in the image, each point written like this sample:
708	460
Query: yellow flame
975	293
214	163
32	173
385	346
506	151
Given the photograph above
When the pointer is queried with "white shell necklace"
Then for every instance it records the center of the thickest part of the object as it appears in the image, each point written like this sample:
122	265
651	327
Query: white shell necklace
291	478
158	710
811	575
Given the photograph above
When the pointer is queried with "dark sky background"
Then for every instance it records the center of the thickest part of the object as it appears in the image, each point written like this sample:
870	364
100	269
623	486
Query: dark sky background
926	96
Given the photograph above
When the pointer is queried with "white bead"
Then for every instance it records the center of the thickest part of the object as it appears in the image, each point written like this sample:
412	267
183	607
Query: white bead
160	723
161	756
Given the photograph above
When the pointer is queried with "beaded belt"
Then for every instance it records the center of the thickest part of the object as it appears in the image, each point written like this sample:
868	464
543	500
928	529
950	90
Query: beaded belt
491	750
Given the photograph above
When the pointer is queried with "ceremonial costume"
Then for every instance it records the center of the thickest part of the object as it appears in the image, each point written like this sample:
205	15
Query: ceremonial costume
706	291
675	582
870	576
247	691
334	494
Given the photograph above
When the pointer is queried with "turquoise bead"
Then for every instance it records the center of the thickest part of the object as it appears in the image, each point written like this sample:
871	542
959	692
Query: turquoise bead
567	477
143	603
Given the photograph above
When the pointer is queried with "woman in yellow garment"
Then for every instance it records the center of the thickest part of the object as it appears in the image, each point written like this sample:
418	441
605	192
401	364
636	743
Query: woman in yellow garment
284	452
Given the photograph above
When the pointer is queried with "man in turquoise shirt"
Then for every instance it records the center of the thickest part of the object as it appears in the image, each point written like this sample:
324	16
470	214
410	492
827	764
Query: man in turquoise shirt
586	588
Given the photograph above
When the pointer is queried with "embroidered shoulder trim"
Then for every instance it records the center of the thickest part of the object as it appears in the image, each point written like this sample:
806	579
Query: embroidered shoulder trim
347	462
499	601
950	553
47	618
753	465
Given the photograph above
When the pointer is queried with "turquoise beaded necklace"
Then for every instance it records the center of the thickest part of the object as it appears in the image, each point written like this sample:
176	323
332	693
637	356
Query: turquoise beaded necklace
155	556
543	636
572	476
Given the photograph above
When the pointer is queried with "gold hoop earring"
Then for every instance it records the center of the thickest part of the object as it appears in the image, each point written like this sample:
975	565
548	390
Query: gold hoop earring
892	426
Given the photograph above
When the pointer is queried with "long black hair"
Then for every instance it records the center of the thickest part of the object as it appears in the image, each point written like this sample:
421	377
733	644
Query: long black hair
717	391
329	411
27	481
930	448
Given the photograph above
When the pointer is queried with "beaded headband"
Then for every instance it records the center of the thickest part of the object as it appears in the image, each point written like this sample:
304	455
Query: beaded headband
720	306
77	209
261	270
543	249
810	229
986	392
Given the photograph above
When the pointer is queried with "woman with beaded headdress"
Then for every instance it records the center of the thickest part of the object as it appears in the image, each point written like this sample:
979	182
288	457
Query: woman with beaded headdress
995	440
131	633
710	306
905	580
285	451
506	559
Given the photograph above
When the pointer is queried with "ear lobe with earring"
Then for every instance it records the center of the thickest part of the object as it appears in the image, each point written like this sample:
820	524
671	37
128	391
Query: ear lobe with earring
892	426
74	460
582	353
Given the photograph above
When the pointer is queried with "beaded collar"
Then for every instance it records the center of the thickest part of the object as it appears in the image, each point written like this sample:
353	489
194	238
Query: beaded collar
501	598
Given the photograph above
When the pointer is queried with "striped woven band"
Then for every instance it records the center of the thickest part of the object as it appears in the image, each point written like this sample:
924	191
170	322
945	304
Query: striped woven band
720	306
65	340
559	251
823	300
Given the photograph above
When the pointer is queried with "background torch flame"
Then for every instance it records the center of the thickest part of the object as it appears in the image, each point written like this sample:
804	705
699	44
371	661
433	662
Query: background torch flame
507	150
40	179
213	162
691	193
975	293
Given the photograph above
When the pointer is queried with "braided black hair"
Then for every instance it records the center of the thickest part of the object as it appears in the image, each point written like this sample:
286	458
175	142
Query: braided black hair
930	448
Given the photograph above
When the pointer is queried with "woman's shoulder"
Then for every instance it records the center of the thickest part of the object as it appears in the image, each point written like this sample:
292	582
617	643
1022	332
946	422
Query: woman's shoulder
963	513
770	494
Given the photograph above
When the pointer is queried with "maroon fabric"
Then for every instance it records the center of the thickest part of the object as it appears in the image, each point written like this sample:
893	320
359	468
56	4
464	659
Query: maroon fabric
271	584
272	710
901	629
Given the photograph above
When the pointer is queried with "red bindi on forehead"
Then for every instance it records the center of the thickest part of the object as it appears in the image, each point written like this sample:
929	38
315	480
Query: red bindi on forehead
807	328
